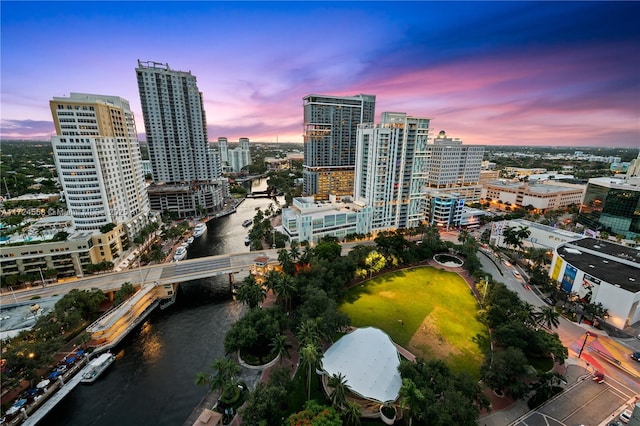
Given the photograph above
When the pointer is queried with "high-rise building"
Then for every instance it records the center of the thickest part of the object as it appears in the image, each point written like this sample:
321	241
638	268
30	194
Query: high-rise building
330	133
97	155
176	128
389	173
223	147
454	167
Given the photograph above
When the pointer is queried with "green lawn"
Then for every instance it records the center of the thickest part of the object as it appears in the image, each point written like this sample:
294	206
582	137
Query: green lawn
426	310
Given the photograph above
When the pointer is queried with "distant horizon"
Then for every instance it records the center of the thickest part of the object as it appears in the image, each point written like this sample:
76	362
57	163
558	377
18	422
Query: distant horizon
489	73
233	142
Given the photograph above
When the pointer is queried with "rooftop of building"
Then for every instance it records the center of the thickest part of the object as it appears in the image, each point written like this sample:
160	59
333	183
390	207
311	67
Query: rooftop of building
632	183
536	188
545	228
606	261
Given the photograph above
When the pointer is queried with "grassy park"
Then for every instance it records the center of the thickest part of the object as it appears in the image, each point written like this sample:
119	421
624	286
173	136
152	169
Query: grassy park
429	311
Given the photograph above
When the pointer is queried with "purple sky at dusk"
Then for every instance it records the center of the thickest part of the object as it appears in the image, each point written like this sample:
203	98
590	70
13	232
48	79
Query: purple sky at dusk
493	73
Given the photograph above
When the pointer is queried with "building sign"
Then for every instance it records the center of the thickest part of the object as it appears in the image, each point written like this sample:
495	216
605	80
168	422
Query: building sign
568	278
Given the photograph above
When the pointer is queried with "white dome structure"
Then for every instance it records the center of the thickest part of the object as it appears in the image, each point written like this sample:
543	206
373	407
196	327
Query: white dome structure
369	361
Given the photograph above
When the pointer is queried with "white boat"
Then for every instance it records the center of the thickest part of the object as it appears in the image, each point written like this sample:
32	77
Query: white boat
97	367
200	229
190	240
180	254
247	223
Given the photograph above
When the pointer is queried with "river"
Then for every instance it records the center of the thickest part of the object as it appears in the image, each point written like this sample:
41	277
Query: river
152	380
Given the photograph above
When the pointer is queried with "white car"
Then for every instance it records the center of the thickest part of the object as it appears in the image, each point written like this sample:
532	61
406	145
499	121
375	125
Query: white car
625	416
506	263
517	274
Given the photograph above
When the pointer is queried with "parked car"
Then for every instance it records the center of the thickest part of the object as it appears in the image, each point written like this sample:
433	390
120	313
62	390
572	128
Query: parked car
615	424
517	274
549	301
635	356
625	416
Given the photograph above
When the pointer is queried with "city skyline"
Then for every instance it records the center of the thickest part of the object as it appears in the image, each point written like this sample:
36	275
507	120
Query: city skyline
490	73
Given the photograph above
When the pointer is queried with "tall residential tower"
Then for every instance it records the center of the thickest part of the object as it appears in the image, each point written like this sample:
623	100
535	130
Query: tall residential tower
389	175
330	133
97	155
187	180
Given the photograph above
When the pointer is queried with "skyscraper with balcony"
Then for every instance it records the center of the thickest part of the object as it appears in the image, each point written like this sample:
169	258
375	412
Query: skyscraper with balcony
390	170
97	155
330	133
176	128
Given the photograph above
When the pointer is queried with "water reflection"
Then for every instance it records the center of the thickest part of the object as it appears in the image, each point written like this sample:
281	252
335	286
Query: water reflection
152	381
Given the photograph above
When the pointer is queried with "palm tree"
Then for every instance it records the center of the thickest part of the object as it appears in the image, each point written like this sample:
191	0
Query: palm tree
250	292
285	261
548	317
411	398
224	377
309	357
280	346
309	333
286	288
351	413
294	250
513	236
529	314
338	394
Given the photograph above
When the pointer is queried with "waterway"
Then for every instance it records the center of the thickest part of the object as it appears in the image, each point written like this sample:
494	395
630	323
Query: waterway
152	380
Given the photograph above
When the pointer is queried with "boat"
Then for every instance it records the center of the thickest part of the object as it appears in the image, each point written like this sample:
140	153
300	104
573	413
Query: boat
247	240
190	240
247	222
180	254
200	229
97	367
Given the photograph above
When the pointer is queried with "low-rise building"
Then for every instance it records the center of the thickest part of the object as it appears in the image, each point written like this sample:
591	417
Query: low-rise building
601	272
310	220
539	196
541	236
68	258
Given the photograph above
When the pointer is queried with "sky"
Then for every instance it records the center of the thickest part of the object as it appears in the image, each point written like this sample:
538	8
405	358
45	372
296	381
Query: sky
543	73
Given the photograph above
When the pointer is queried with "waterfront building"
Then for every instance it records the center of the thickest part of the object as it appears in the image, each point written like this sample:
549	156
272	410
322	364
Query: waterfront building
97	156
176	127
390	170
330	133
311	220
598	271
239	157
541	196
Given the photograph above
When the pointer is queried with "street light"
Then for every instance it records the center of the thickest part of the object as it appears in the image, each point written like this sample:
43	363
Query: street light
584	342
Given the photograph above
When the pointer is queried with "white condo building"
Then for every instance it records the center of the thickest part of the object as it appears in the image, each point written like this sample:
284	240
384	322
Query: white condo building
176	127
97	156
390	170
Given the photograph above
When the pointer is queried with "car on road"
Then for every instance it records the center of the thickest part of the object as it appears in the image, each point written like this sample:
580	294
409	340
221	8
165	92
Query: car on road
635	356
615	424
507	263
549	301
517	274
625	416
